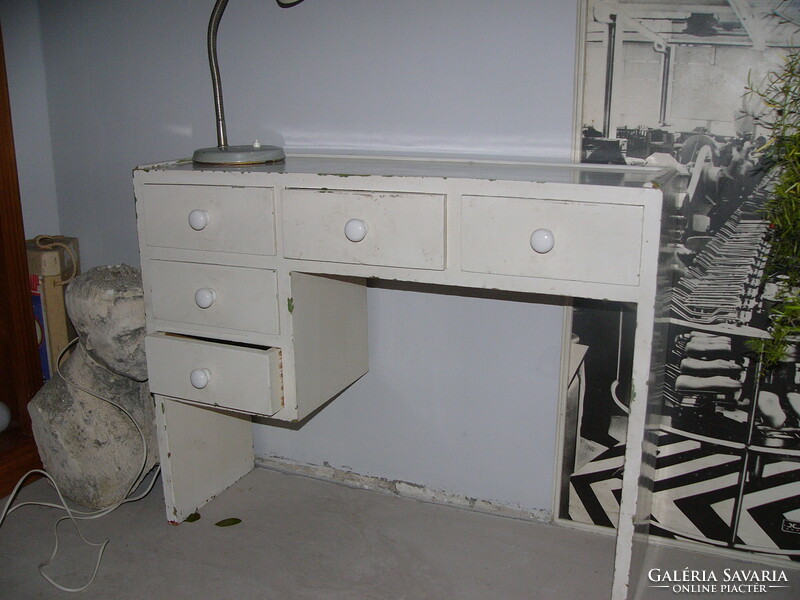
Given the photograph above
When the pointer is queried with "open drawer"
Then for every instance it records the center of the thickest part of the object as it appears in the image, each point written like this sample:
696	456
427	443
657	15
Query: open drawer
234	377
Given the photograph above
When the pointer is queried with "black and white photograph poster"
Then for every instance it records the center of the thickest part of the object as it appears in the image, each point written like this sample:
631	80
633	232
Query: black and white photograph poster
683	85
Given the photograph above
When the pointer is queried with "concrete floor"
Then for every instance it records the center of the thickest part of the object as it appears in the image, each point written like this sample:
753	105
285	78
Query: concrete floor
306	539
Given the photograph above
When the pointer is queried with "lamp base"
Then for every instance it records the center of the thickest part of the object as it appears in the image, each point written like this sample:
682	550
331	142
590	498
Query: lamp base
238	155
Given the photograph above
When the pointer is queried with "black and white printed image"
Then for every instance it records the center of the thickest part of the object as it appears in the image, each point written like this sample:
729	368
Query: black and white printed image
666	84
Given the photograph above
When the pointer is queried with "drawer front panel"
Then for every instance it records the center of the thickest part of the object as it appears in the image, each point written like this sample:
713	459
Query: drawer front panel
240	220
592	242
241	379
399	230
240	298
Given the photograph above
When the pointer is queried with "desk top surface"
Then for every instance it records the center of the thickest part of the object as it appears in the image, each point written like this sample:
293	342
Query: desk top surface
356	166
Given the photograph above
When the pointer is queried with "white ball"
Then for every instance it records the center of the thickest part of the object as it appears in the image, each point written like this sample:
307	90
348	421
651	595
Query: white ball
5	417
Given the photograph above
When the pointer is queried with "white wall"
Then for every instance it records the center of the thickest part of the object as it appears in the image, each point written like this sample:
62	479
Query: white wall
128	83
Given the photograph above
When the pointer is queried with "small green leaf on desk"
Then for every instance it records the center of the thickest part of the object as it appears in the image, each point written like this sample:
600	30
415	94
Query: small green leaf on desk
228	522
195	516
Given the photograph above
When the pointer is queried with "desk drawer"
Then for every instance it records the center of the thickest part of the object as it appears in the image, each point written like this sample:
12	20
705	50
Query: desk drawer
385	229
240	220
233	377
592	242
240	298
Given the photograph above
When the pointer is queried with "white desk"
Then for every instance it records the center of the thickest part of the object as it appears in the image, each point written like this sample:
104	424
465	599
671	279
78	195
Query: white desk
256	302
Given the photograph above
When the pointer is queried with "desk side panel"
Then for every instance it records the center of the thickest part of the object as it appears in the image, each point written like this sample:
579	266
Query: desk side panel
203	452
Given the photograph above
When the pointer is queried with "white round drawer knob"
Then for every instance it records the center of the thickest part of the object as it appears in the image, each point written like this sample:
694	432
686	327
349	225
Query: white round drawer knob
205	297
355	230
198	219
542	241
199	378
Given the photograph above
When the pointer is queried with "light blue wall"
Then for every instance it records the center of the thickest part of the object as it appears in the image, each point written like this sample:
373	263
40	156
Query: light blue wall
27	92
127	83
461	396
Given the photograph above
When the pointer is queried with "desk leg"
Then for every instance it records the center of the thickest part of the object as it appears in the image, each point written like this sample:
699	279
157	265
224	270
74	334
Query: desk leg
203	452
637	481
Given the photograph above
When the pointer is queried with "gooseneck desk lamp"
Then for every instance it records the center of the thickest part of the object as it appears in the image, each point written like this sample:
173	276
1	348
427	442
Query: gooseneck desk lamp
222	153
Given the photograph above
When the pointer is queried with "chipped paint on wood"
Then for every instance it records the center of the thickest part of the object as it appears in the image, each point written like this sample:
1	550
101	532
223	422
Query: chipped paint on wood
404	489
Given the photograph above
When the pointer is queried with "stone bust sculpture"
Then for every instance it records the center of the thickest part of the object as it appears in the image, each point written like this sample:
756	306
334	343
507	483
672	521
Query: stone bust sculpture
87	442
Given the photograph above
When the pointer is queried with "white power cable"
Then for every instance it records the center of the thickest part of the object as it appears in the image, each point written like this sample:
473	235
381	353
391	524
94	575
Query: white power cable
76	515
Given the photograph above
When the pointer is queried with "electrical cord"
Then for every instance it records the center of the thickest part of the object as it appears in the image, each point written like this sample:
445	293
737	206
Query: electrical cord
70	515
112	403
50	242
76	515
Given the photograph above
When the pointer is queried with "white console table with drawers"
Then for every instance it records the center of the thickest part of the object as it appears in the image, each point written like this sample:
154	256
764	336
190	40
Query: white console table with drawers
255	289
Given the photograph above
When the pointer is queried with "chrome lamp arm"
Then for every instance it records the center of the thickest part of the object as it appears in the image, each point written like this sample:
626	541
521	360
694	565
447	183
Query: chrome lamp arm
222	153
216	82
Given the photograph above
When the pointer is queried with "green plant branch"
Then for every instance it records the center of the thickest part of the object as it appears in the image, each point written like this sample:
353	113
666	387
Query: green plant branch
781	96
